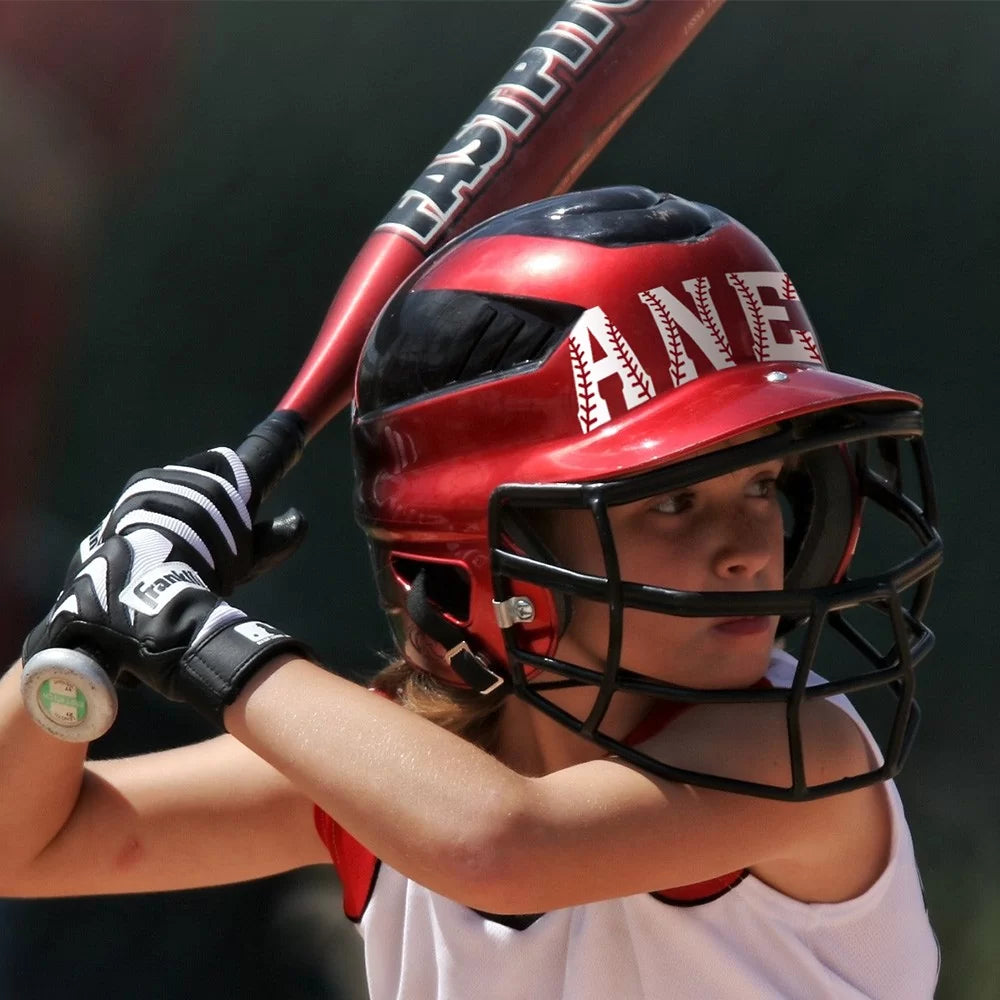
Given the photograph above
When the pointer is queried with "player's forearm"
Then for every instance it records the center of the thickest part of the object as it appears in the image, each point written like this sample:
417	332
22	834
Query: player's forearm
40	780
430	804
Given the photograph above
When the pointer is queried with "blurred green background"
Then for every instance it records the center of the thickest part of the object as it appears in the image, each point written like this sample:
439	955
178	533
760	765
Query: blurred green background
184	184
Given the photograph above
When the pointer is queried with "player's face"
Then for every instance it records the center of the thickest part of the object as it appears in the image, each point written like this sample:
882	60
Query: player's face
721	534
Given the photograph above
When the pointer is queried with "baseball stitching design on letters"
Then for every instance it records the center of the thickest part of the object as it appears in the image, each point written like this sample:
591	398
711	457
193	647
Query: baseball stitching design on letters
585	390
640	380
758	326
705	307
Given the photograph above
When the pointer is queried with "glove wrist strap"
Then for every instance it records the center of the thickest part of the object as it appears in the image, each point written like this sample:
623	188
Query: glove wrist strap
215	669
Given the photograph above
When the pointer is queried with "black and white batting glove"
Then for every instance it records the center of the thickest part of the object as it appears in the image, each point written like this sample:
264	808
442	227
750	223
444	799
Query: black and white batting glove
158	621
141	590
203	507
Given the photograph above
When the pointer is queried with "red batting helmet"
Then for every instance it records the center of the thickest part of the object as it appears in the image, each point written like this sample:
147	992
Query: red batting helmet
585	351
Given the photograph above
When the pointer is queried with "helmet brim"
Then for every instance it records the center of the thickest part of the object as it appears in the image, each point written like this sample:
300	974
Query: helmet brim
704	414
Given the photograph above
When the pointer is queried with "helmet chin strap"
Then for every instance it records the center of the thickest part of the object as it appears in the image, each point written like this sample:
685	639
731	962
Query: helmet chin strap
471	667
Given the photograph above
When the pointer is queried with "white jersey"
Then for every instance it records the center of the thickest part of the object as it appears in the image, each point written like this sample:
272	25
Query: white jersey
732	937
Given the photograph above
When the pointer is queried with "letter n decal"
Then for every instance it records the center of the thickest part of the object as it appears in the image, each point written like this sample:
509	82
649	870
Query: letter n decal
671	316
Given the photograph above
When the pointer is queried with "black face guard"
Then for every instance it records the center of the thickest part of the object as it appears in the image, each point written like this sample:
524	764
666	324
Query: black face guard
838	459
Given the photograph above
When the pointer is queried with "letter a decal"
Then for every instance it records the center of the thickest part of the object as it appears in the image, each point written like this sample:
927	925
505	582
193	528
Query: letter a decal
619	360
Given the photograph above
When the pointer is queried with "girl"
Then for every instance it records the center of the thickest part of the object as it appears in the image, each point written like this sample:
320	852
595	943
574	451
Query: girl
608	484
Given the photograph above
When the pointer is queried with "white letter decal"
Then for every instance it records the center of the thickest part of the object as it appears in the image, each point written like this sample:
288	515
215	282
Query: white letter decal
619	359
672	316
759	316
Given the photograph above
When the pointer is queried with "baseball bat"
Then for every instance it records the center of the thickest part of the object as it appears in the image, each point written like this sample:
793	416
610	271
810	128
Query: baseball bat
532	136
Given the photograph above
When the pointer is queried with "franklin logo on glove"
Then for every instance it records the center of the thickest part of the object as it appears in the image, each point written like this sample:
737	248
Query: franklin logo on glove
154	590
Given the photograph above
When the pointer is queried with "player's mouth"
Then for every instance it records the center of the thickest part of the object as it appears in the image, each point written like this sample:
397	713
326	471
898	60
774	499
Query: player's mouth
756	625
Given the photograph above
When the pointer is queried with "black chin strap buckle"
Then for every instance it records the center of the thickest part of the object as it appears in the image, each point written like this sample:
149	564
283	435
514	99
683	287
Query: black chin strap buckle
472	668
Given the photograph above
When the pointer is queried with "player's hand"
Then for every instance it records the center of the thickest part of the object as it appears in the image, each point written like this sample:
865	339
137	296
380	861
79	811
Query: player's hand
181	532
158	621
202	509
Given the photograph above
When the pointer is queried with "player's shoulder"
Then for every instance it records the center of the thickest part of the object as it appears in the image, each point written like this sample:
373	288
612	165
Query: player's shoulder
750	740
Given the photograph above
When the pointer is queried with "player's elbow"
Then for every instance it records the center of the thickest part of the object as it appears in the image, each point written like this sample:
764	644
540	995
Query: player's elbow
492	865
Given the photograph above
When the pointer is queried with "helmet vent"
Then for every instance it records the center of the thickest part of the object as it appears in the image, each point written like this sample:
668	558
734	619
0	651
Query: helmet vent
431	340
447	585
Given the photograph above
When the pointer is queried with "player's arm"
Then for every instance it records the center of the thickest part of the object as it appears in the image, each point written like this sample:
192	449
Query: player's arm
39	780
200	815
441	810
460	822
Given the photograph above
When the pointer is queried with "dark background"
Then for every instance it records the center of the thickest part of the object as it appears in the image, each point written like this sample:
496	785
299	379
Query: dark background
183	187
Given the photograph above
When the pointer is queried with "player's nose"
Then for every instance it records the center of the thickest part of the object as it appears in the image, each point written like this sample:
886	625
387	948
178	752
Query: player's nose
745	550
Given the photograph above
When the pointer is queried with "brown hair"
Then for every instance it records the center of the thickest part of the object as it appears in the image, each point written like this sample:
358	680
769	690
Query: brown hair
473	716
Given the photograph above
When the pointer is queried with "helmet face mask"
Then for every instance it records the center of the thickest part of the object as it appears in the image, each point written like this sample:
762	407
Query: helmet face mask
594	350
897	595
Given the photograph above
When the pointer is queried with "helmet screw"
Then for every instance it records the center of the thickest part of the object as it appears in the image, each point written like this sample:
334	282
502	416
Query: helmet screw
776	377
513	610
524	610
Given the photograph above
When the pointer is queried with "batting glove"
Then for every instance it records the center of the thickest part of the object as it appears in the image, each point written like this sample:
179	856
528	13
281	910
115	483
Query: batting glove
141	590
157	620
203	507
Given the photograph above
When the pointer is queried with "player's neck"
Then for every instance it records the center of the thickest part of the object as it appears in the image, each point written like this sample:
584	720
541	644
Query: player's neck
532	743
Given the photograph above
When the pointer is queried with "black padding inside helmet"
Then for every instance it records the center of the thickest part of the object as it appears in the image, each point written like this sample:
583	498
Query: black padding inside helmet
431	340
446	585
525	540
821	492
609	217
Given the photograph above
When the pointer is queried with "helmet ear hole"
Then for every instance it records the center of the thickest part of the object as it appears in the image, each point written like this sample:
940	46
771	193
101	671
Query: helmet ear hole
447	585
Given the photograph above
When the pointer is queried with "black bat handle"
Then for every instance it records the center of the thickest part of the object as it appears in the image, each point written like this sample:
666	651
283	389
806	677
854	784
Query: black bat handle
271	449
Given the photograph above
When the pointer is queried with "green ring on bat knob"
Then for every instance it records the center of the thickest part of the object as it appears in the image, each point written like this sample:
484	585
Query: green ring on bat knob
66	692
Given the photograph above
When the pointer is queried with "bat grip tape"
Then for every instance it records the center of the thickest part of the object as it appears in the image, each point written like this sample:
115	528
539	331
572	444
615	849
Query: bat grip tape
272	448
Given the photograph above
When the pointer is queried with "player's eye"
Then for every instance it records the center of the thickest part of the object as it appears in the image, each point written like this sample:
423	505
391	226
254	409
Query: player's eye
763	487
674	503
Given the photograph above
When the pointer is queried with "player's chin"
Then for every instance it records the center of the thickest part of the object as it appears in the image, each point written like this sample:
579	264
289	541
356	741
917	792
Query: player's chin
737	652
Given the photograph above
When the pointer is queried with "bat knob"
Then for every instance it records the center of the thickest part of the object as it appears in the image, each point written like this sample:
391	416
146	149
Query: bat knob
66	692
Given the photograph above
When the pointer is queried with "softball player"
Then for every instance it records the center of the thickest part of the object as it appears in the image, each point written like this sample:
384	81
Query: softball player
617	508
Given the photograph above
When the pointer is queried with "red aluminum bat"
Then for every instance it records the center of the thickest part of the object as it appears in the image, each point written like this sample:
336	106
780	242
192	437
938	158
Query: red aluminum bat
536	131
